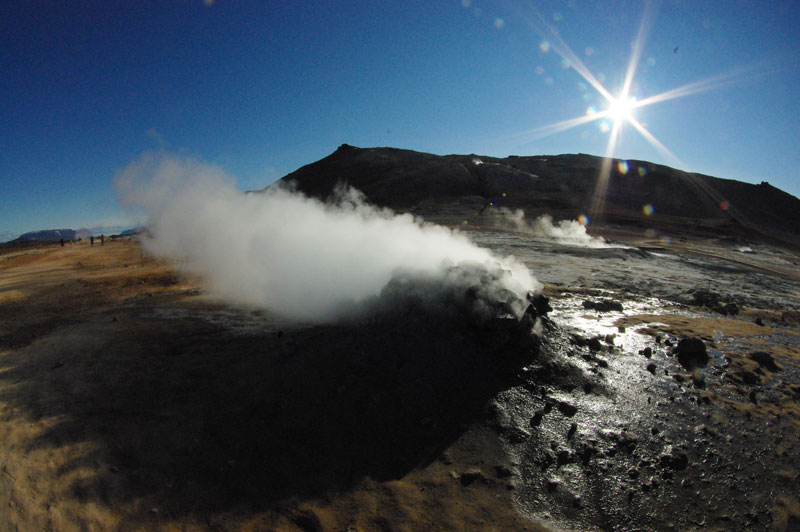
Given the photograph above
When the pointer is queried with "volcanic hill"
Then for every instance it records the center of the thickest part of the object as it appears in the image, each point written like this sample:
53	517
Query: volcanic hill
450	188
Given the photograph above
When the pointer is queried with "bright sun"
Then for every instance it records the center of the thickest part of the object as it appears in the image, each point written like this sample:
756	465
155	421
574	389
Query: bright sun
621	109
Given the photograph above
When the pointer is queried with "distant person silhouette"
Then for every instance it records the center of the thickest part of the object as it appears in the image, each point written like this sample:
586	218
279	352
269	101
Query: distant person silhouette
91	239
102	239
62	242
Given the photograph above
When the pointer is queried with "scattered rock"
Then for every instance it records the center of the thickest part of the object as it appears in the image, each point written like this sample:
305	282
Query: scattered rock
647	352
572	429
748	377
691	353
552	485
540	303
567	409
470	477
759	322
502	471
764	360
606	305
536	420
714	302
563	457
594	344
672	459
651	368
515	435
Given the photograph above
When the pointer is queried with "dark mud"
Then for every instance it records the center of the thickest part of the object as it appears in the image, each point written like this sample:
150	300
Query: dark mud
625	432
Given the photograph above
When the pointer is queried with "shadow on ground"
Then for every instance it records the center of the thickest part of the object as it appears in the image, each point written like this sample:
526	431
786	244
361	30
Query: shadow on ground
186	416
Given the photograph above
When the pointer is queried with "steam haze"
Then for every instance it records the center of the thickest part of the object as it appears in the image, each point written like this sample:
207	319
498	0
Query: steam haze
289	253
567	232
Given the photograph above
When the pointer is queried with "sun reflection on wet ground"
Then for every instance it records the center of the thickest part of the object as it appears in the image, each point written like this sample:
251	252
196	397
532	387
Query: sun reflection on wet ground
610	431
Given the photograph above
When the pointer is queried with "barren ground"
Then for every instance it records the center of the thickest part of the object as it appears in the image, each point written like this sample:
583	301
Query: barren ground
130	400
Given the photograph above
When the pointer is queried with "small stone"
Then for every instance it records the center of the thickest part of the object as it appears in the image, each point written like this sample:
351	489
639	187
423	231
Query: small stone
764	360
502	471
594	344
470	477
691	353
651	368
567	409
572	429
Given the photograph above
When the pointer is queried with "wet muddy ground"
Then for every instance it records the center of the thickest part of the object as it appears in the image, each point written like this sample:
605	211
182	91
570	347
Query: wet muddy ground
611	431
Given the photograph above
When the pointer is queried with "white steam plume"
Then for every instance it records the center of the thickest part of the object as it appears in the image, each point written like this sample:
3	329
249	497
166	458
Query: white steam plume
281	250
568	232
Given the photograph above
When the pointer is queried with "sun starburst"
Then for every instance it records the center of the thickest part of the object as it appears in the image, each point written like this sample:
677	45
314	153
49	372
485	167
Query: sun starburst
620	109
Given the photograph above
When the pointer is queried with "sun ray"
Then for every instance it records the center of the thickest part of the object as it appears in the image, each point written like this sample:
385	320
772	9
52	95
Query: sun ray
600	189
655	142
620	107
696	87
546	31
558	127
638	46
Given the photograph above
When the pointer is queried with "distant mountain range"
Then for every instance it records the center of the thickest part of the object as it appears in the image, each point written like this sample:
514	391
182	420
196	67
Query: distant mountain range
55	235
50	235
638	194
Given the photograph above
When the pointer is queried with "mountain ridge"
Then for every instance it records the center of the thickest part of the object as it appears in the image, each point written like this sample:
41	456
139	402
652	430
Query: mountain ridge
638	193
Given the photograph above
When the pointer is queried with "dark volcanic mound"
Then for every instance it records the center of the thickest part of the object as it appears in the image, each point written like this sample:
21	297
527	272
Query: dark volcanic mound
563	185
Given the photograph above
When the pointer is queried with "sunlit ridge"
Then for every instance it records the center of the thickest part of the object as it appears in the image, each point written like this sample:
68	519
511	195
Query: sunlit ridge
620	108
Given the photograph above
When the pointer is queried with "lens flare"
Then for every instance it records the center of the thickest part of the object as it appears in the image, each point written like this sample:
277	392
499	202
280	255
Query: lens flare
648	209
583	220
623	167
621	108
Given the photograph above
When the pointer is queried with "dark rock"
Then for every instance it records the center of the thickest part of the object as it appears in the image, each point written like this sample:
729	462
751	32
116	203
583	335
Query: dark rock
552	485
594	344
731	309
563	457
567	409
540	303
470	477
691	353
536	420
572	429
672	459
606	305
748	377
759	322
651	368
515	435
714	302
764	360
502	471
647	352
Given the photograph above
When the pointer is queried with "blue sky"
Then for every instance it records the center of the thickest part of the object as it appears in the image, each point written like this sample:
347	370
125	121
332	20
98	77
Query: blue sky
262	88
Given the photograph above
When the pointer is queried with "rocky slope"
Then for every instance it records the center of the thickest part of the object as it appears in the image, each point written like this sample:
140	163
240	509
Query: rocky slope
462	186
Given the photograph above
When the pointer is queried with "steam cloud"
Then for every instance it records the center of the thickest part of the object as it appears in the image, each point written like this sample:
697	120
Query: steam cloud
569	232
295	255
